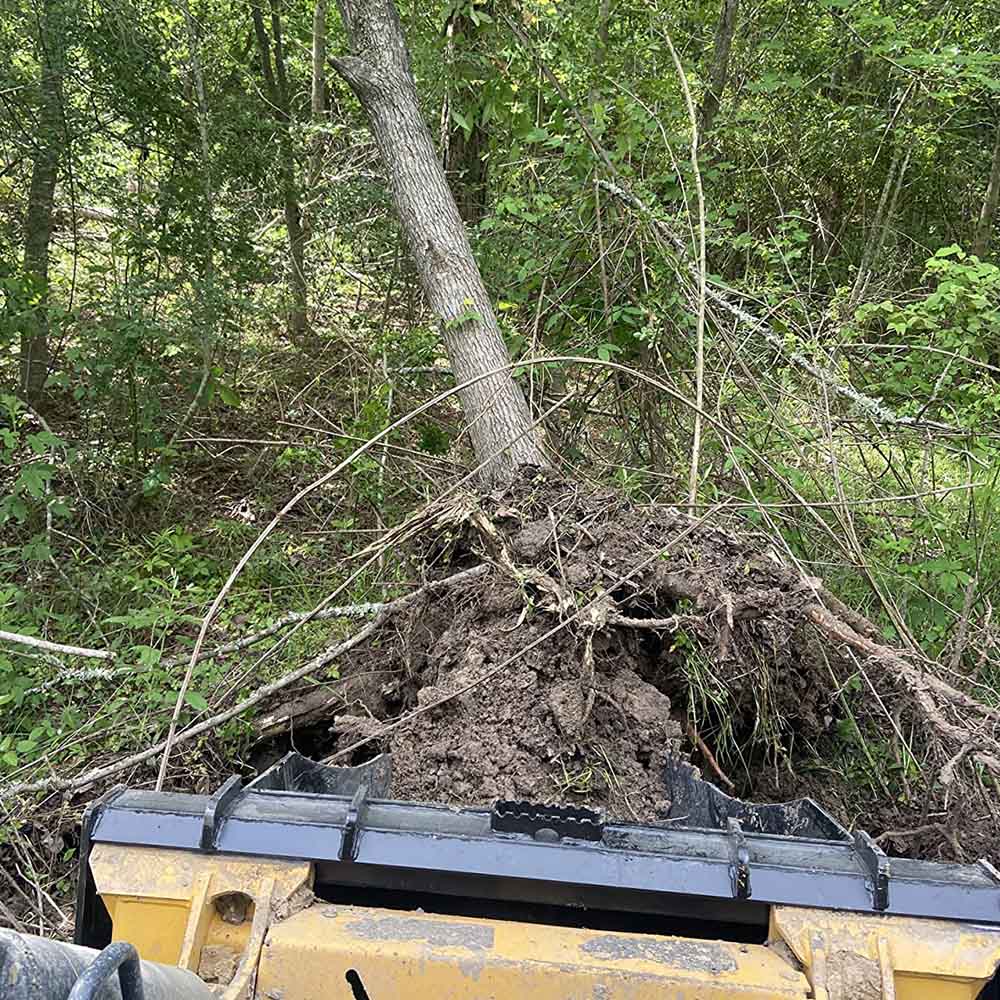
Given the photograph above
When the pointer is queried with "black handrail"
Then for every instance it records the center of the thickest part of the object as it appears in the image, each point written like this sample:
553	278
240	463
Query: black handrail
120	957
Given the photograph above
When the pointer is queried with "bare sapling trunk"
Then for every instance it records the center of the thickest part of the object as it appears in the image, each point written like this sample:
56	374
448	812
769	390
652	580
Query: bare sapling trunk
276	90
883	217
496	413
40	216
719	76
987	216
318	91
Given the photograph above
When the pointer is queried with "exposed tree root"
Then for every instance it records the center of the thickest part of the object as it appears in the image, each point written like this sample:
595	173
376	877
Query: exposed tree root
934	698
593	610
570	638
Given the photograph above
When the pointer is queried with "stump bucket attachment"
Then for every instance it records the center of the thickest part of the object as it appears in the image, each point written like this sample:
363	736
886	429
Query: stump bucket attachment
309	884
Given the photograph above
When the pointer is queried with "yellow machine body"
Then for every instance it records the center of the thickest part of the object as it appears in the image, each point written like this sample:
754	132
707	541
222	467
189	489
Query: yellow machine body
253	928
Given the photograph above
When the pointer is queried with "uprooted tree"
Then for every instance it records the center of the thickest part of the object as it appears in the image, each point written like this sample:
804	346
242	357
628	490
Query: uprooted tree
775	625
569	639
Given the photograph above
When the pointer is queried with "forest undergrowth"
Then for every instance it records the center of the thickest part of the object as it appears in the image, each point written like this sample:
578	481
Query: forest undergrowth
595	628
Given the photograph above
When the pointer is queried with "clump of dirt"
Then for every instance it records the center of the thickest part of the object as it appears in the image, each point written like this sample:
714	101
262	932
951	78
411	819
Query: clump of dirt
582	714
596	637
569	718
530	731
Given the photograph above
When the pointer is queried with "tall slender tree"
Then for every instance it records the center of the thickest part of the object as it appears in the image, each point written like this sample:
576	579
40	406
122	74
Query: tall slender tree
318	89
719	75
987	214
39	218
271	51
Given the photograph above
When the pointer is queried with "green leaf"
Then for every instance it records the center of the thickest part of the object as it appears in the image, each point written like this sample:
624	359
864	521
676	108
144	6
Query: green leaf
466	316
147	656
463	123
13	508
34	479
36	549
536	135
228	394
42	442
197	701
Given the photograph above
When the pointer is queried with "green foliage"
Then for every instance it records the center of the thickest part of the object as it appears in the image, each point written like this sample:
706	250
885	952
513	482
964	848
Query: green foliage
27	492
958	319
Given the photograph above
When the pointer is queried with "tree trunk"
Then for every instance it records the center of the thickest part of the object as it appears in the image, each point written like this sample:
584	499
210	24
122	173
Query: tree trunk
465	149
198	77
379	73
276	89
466	165
40	216
719	76
318	90
984	227
883	216
603	18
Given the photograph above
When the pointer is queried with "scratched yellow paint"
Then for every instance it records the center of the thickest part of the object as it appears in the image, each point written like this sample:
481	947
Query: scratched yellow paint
456	958
928	959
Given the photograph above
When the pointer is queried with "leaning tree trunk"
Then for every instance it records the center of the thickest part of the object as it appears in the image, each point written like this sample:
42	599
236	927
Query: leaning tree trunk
39	218
497	416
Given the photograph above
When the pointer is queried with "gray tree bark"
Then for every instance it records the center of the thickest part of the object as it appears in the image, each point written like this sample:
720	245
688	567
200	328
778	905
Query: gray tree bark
719	76
276	89
379	74
318	86
883	216
987	216
40	216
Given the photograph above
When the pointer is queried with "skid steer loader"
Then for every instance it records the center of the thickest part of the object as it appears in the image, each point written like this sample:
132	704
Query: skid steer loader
308	884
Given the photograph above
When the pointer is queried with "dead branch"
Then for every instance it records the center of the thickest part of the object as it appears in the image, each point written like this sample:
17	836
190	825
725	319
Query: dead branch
11	918
920	683
719	295
696	739
236	646
56	647
262	693
906	834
